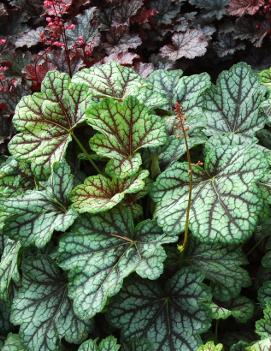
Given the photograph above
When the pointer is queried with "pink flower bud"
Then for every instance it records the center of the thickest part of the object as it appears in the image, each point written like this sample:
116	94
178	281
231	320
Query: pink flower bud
58	44
70	26
3	68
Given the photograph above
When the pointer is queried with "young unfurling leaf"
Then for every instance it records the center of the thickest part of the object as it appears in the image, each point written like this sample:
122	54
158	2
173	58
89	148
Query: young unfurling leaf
124	128
13	343
108	344
99	193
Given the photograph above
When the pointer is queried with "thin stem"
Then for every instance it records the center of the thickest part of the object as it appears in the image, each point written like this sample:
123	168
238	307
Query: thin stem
254	247
181	119
122	237
88	156
155	167
64	38
67	51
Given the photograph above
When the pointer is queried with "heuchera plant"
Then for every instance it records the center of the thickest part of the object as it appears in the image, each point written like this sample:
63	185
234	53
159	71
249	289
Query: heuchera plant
135	213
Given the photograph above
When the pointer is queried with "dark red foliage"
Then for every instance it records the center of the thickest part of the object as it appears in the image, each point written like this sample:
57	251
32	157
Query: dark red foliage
37	36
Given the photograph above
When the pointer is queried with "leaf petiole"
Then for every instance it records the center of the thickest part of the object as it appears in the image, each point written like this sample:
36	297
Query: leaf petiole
181	119
88	156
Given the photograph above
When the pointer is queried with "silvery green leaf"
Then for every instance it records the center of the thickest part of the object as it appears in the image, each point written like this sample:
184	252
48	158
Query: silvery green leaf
35	215
13	343
263	327
107	344
233	105
109	80
42	308
241	309
170	315
264	293
101	250
210	346
222	265
226	200
45	120
8	266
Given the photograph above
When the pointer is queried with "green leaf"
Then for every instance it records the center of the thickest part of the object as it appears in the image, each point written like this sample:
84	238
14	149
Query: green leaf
175	147
137	345
100	251
43	309
150	97
263	329
241	345
241	309
264	293
119	82
263	326
124	128
210	346
189	93
36	214
187	90
222	265
166	82
13	343
15	178
110	80
170	315
8	266
262	345
45	120
99	193
108	344
226	200
219	312
233	105
265	77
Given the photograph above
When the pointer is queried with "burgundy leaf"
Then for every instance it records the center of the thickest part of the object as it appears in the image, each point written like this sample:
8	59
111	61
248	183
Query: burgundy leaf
242	7
29	38
121	43
190	44
249	29
126	10
36	73
123	58
144	15
86	29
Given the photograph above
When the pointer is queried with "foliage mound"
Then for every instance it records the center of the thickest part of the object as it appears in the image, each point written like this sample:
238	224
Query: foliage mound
135	213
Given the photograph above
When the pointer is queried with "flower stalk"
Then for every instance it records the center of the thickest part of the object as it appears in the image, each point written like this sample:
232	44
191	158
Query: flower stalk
183	128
